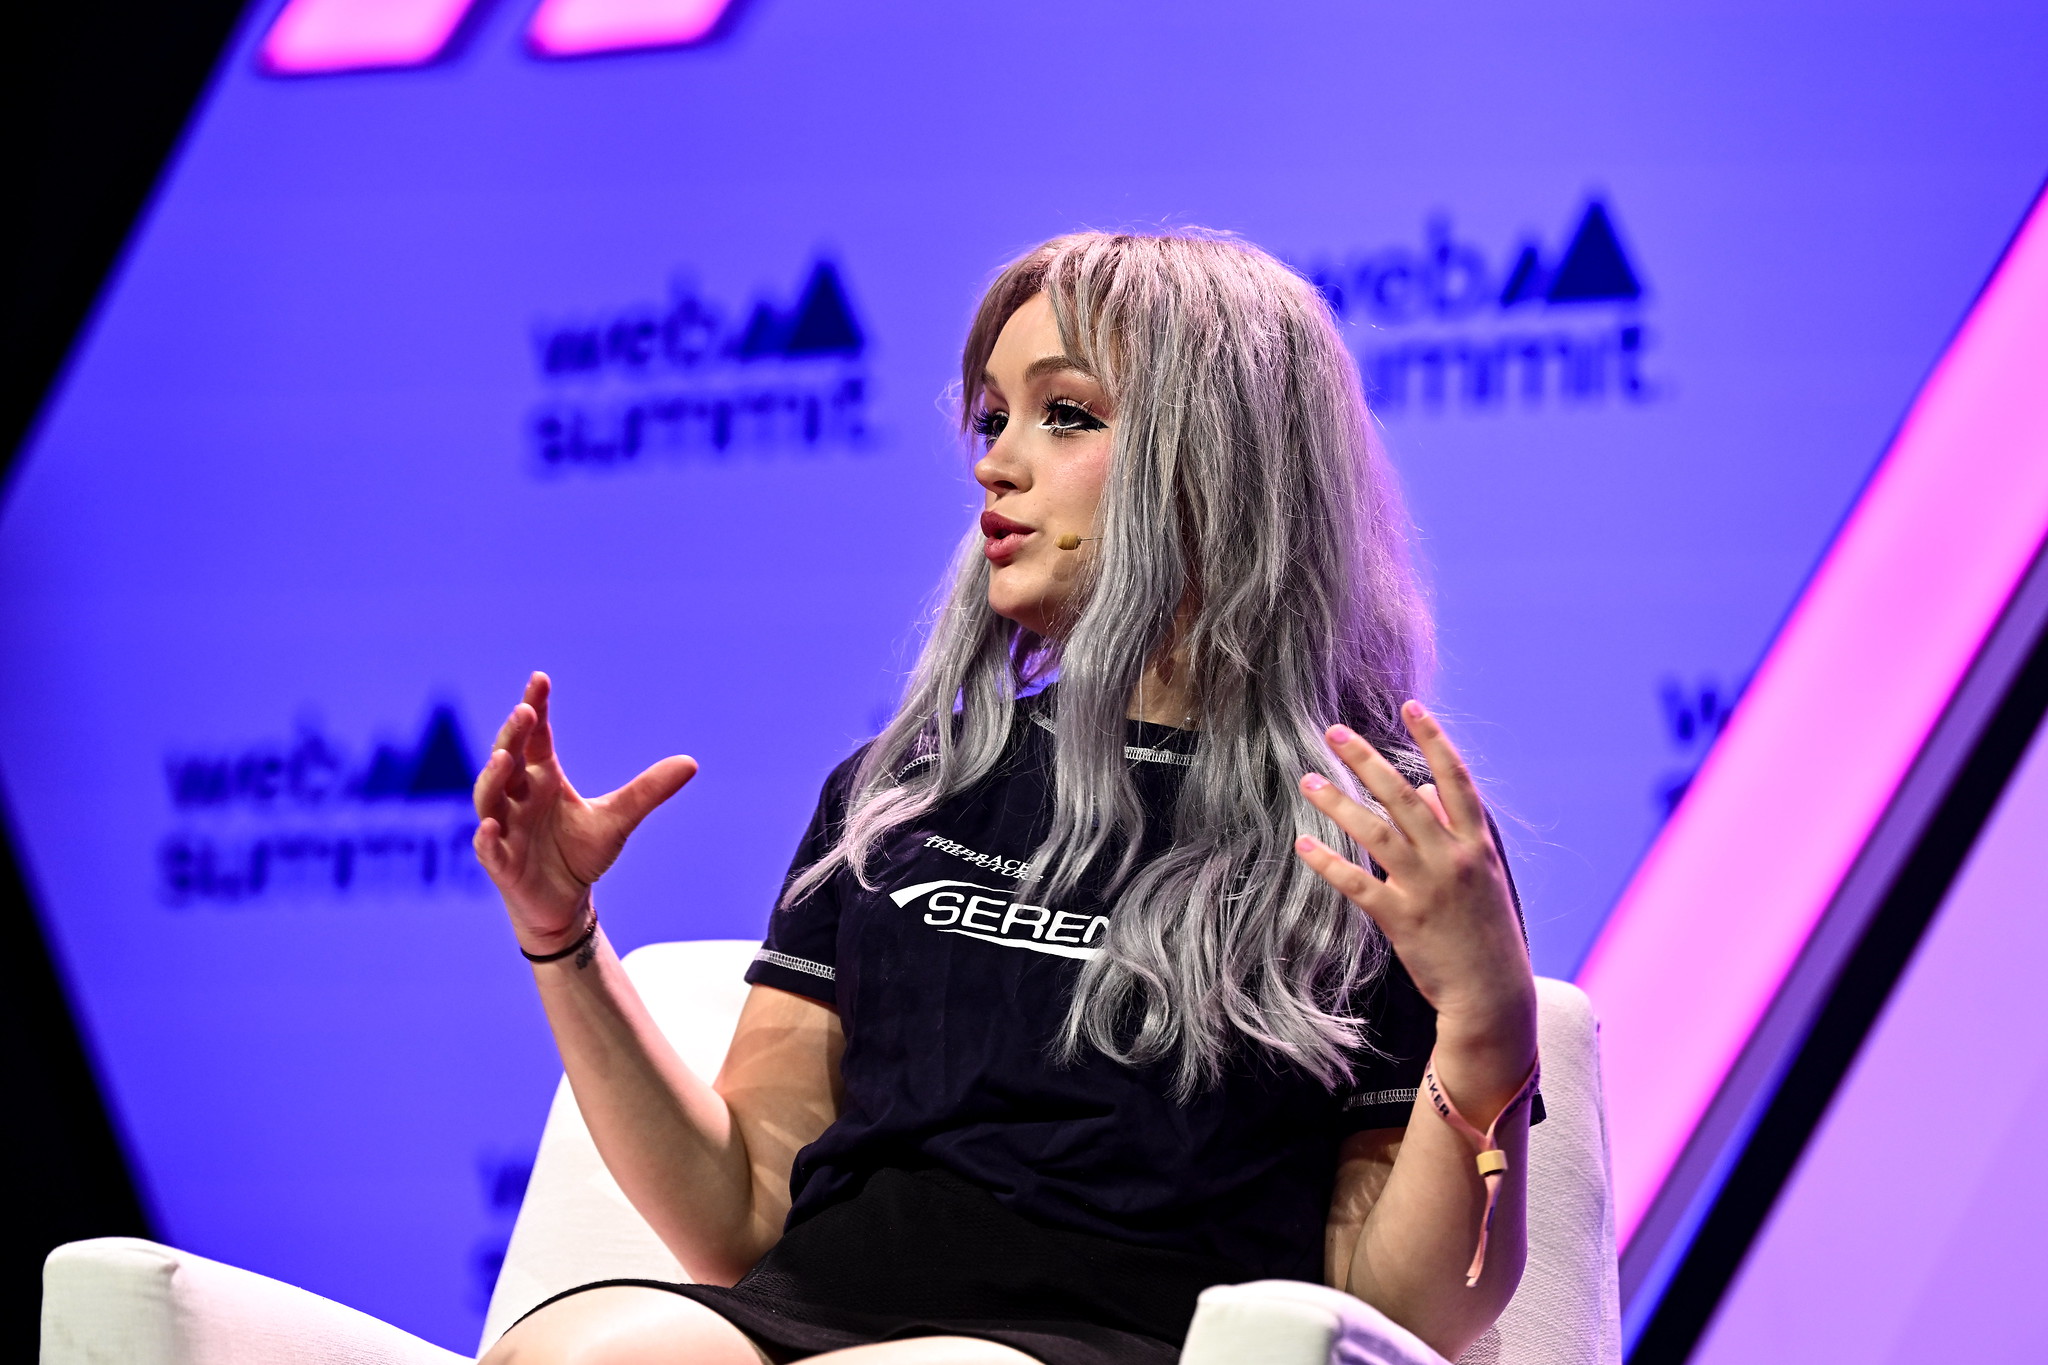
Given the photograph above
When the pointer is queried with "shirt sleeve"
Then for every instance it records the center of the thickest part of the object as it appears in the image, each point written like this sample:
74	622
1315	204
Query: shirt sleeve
1402	1028
800	953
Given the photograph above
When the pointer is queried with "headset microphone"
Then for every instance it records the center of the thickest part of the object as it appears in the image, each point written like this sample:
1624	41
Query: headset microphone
1070	541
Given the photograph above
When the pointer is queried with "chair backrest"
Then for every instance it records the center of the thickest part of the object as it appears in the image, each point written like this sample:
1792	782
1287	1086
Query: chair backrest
1567	1310
575	1225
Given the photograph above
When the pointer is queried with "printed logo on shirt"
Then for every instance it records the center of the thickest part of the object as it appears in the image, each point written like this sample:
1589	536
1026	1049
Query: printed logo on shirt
990	914
1015	868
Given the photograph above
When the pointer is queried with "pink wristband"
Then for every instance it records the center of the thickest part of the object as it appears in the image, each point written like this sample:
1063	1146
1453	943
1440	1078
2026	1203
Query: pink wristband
1492	1161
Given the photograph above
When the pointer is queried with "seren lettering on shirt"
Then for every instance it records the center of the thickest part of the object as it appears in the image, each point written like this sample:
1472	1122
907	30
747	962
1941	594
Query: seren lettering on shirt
988	913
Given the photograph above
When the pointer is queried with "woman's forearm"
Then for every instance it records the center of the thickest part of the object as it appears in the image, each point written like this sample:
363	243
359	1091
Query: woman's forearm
673	1143
670	1140
1411	1259
707	1165
1448	911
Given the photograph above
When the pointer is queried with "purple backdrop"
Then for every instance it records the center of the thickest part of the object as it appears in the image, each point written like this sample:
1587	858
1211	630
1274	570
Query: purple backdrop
633	368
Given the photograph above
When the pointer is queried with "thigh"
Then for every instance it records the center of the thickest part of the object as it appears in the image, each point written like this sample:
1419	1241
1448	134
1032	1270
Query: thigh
927	1351
627	1325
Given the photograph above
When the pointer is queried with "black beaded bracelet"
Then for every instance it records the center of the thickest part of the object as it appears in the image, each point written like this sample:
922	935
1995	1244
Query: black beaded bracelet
583	941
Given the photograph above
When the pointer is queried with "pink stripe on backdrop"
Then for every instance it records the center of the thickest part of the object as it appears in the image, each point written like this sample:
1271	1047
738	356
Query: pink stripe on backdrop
311	36
1730	891
571	28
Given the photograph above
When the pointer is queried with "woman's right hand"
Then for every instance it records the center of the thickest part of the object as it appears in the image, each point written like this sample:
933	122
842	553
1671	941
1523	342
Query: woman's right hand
541	842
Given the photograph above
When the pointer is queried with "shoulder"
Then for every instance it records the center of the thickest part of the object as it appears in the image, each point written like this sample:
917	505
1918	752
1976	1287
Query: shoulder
846	777
839	782
834	797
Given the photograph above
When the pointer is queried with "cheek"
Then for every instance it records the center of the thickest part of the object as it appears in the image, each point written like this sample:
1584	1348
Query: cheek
1080	482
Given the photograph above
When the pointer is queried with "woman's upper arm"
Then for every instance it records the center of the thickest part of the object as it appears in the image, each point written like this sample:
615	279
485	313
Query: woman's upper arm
780	1081
1364	1162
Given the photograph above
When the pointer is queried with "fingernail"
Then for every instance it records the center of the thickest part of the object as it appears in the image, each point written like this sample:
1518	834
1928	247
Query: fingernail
1306	845
1413	709
1341	734
1314	782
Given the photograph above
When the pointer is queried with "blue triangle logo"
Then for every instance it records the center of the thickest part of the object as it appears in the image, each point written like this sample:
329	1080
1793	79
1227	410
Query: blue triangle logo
437	768
389	774
763	335
1526	278
1594	268
823	322
441	765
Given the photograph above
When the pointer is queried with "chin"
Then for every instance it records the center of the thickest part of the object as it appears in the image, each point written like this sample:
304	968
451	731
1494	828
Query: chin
1021	603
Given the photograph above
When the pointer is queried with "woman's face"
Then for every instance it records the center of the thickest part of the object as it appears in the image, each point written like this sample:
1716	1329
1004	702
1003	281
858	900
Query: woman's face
1046	428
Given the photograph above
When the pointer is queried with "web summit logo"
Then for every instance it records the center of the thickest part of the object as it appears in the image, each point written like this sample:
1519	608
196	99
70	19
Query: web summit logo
686	379
1543	331
301	817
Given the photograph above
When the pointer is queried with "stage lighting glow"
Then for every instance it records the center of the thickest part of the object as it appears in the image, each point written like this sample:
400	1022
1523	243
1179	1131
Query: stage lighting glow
1727	896
572	28
313	36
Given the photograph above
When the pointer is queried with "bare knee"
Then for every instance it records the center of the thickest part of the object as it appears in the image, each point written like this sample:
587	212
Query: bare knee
624	1325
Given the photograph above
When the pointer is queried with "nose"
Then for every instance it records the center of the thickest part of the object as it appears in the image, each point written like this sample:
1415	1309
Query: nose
999	470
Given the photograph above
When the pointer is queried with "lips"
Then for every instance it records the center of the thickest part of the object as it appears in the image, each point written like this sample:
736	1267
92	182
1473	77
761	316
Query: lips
1005	537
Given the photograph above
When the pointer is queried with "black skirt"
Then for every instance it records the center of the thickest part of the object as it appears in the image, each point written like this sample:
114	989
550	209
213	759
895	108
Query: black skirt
924	1253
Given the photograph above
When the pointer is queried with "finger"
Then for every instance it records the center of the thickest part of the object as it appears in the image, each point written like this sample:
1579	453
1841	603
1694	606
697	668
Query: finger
504	735
489	791
1455	788
1427	791
1371	829
541	747
500	848
511	735
633	802
489	843
1353	882
518	747
1410	814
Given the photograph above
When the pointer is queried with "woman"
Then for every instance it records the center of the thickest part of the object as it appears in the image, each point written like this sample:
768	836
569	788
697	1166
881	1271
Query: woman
1079	998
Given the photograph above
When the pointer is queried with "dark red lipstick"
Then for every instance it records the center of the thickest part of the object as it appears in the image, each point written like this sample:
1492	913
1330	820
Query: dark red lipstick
1005	537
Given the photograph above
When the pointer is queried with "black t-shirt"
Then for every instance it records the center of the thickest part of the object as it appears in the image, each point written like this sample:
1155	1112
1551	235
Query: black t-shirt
951	985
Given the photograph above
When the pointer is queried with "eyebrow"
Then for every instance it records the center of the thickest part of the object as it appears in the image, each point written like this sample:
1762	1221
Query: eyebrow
1044	365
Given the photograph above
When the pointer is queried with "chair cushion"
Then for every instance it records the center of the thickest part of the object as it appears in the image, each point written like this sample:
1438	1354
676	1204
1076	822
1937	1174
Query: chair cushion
124	1301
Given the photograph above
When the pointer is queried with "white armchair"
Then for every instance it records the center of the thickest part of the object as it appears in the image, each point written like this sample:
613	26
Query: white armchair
123	1301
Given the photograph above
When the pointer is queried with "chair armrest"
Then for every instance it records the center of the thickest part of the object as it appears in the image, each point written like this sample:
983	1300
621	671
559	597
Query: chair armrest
1289	1322
124	1301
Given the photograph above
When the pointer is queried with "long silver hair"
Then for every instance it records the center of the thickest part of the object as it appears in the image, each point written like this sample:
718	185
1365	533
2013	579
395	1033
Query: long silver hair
1251	527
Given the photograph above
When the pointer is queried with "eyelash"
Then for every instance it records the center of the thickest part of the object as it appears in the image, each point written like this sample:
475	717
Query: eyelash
1062	417
1077	416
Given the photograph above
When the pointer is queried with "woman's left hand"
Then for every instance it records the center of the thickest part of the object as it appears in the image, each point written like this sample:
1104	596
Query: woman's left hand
1445	906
